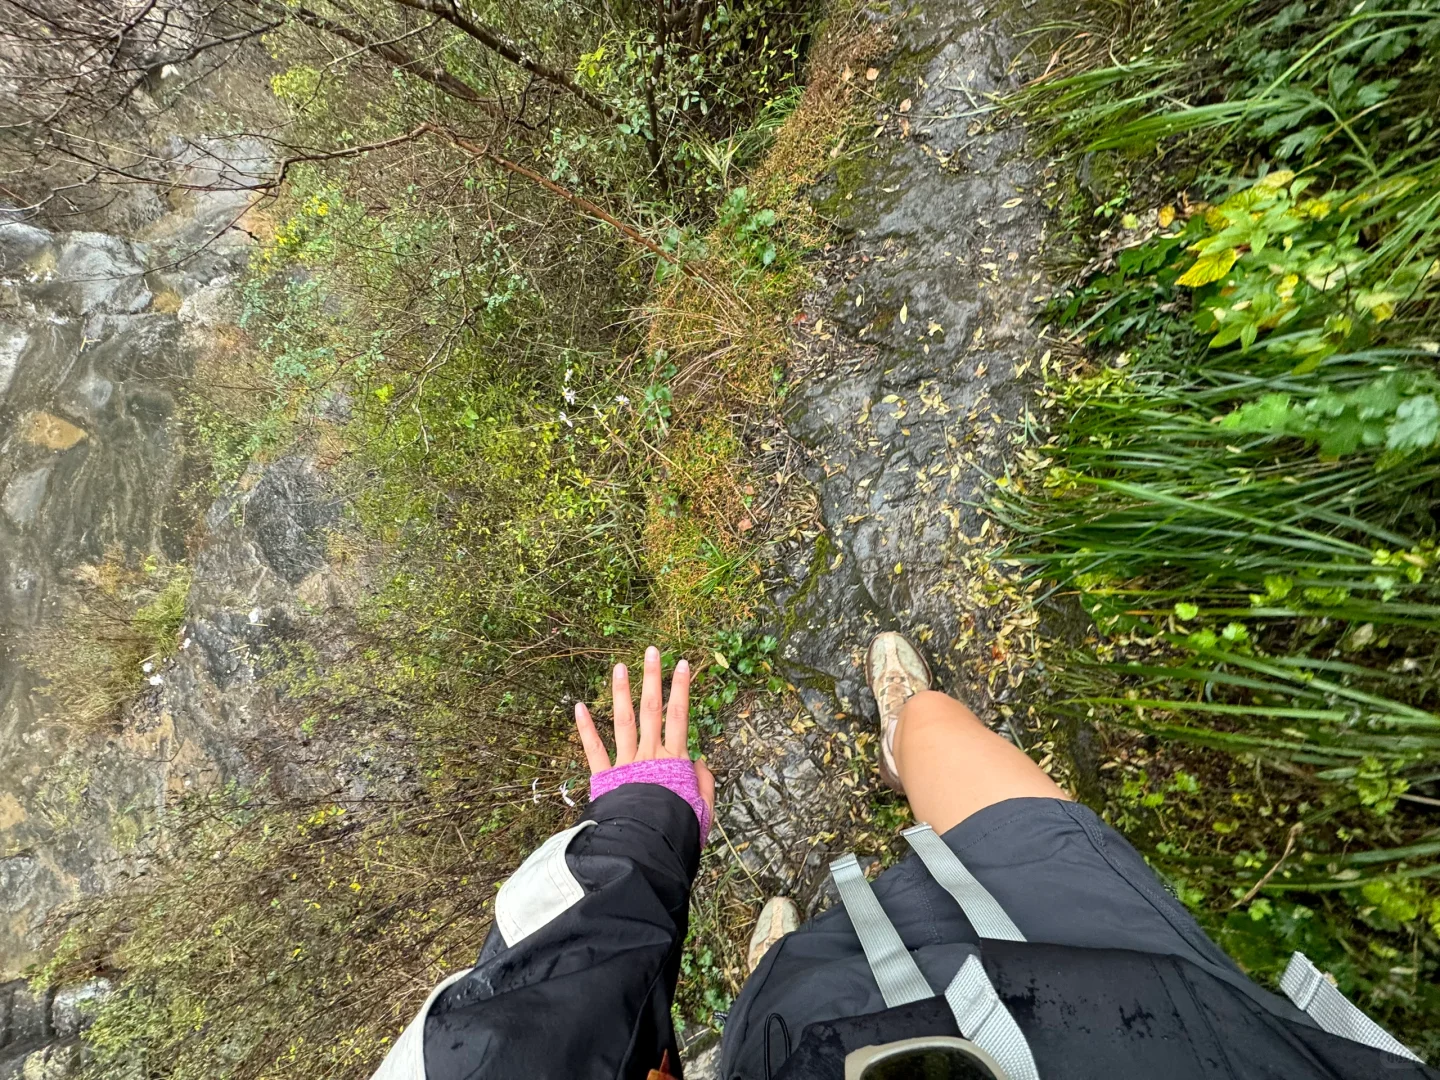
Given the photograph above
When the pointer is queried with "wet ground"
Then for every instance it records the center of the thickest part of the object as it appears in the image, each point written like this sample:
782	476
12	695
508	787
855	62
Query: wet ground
912	365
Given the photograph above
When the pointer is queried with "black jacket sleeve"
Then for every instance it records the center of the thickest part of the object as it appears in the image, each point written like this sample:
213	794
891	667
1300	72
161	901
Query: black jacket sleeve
588	994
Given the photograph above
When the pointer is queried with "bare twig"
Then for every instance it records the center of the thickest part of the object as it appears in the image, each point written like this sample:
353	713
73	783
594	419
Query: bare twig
492	39
1295	831
436	75
581	203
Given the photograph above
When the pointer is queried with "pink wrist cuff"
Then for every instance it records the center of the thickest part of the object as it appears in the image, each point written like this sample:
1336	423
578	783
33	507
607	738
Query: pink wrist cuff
674	774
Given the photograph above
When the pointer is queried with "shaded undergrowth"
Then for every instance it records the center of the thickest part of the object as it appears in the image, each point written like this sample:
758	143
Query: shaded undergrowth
1241	481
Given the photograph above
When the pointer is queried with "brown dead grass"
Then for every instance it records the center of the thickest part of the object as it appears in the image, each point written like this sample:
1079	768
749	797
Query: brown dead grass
91	647
698	546
814	134
728	334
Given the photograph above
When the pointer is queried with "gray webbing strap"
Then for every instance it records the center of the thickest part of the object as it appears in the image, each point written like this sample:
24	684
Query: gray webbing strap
891	964
982	909
978	1010
984	1020
1308	988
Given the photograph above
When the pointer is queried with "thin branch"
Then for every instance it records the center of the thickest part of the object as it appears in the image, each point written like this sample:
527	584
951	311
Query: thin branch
1295	831
581	203
436	75
492	39
345	152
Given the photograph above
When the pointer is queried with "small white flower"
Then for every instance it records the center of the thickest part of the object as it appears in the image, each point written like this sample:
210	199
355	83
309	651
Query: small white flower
185	644
535	791
156	680
621	399
148	666
254	615
569	396
565	794
568	372
566	420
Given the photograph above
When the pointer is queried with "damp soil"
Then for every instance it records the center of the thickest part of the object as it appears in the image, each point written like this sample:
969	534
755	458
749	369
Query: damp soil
911	374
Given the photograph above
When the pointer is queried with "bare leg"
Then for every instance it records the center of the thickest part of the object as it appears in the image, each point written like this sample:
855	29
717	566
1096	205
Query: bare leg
953	765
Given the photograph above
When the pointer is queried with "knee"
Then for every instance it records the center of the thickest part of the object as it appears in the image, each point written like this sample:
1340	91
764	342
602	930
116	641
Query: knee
930	709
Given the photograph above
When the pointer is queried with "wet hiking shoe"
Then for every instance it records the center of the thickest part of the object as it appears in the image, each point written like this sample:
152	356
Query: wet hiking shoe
897	673
778	917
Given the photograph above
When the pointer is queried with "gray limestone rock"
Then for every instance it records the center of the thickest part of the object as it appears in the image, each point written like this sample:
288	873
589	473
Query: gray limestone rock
73	1007
902	403
212	305
98	273
288	512
24	1016
900	408
24	494
19	245
54	1062
705	1065
13	340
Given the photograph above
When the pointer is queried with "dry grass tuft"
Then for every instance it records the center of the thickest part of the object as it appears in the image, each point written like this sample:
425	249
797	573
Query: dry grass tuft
814	134
728	335
92	654
728	332
725	340
697	548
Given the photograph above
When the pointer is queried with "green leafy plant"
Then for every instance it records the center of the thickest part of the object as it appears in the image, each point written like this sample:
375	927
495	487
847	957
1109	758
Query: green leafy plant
1237	483
748	228
741	661
1397	413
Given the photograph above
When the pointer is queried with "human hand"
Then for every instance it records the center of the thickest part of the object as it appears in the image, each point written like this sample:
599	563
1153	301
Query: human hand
650	742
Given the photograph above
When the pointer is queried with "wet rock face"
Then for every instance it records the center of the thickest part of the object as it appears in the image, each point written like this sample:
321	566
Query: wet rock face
288	511
925	323
90	462
913	350
39	1033
95	274
99	332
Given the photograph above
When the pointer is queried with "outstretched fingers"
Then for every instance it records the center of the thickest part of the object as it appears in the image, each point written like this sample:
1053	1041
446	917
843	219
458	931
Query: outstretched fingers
664	726
624	708
596	756
677	712
650	693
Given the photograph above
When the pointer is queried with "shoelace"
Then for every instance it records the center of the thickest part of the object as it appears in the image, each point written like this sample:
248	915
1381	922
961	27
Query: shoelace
895	691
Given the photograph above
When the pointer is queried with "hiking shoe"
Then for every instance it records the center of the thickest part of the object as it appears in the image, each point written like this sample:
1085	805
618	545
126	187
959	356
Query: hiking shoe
897	673
778	917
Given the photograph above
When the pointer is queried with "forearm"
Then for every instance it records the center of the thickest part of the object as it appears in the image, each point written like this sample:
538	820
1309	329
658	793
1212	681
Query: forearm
588	991
578	973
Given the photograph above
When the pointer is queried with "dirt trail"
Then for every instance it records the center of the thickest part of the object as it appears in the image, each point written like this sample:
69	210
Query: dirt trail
914	356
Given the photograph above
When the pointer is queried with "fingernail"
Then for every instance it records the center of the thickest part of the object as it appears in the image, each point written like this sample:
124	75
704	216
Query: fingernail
620	671
683	667
652	653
